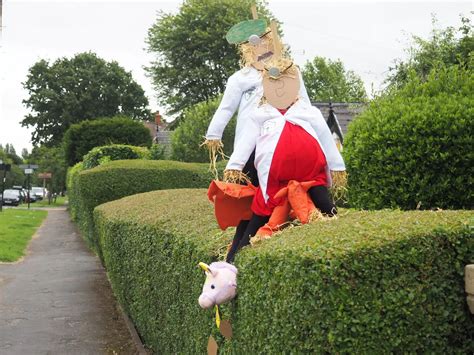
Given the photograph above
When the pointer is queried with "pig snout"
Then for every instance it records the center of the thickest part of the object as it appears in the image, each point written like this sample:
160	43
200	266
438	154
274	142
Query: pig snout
205	301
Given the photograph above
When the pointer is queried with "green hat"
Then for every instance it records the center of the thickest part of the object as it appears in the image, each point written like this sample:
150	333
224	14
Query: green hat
241	32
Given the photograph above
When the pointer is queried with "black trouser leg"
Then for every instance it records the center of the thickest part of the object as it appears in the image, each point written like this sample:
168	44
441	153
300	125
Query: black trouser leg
250	171
253	226
239	232
320	197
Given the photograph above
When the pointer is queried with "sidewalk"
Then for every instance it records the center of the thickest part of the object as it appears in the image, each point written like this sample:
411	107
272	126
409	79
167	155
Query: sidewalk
58	299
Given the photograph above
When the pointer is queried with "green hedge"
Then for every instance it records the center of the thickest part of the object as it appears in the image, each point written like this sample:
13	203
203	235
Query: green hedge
366	282
413	147
116	179
106	153
81	137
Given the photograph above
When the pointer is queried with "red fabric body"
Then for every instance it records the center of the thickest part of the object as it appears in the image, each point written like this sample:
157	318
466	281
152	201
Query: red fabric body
297	156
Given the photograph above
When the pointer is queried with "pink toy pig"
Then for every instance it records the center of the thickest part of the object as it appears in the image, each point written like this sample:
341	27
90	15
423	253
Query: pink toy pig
220	285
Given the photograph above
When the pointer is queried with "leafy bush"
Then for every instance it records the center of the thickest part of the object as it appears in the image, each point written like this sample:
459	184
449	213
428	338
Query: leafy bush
187	138
116	179
413	147
157	152
111	152
80	138
367	282
74	201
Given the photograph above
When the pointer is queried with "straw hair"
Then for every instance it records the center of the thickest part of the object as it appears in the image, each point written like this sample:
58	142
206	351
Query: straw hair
236	177
339	185
215	148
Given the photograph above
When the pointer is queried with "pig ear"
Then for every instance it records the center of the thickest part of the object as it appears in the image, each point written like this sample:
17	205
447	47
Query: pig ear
212	271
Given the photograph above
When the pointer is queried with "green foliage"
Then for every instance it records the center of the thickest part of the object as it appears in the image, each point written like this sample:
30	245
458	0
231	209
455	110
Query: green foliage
80	138
444	46
72	90
16	175
9	153
192	57
116	179
157	152
99	155
75	203
186	140
412	146
49	160
328	80
16	229
366	282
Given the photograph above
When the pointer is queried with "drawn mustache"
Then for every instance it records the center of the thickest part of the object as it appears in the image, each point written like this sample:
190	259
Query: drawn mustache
264	56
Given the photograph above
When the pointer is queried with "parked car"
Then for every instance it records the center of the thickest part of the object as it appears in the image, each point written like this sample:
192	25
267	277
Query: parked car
21	191
24	194
11	197
39	192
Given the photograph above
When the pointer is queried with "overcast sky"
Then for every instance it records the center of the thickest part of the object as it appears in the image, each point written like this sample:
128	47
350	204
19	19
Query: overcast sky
367	36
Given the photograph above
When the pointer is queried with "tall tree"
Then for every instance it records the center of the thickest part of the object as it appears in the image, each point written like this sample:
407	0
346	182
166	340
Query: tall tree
24	153
72	90
192	57
10	152
444	47
15	176
328	80
51	160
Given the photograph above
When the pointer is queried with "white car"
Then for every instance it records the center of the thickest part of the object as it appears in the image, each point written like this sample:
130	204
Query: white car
39	192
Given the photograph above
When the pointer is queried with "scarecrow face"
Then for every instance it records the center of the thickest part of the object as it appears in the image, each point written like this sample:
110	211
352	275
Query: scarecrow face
281	88
262	49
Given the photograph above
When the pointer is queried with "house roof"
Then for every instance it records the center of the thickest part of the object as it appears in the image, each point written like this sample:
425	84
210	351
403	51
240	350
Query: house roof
345	111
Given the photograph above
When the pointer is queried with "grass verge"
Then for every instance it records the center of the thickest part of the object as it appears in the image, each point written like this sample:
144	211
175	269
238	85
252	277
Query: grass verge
16	229
61	201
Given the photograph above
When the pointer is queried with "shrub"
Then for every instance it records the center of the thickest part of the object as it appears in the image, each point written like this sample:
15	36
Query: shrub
105	153
367	282
158	152
116	179
187	138
413	146
74	202
80	138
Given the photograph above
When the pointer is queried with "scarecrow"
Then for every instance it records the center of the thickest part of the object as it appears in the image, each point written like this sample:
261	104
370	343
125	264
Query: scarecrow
294	150
243	93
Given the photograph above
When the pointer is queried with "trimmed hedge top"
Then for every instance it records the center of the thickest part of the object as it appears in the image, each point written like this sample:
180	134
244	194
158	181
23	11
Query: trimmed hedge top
106	153
189	212
116	179
185	211
366	282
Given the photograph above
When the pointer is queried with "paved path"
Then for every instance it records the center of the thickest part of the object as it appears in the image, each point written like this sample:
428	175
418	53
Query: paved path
58	299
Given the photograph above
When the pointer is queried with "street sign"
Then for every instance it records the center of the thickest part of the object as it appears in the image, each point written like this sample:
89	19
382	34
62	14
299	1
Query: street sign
28	171
28	166
45	175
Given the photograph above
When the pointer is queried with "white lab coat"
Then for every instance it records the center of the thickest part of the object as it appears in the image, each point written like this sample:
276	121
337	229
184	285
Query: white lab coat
262	133
243	91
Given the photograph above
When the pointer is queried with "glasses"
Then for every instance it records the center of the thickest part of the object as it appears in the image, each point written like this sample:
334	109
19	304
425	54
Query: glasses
255	40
